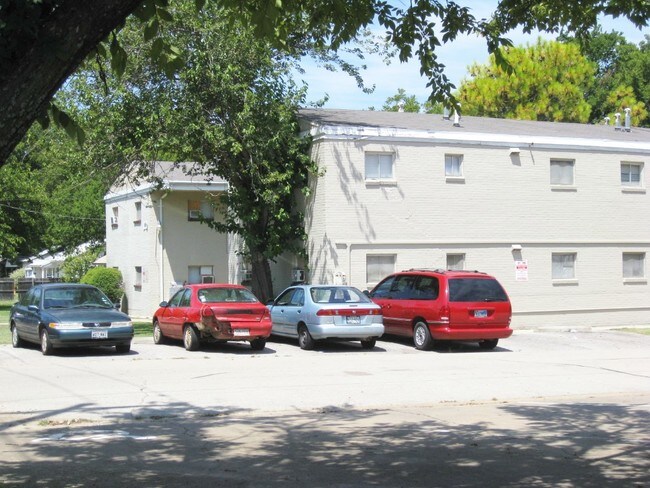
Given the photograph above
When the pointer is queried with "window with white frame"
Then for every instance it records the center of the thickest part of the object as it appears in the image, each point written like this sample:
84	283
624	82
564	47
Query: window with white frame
115	211
564	266
200	274
562	172
138	213
456	261
198	209
633	265
631	174
454	165
379	166
138	277
378	266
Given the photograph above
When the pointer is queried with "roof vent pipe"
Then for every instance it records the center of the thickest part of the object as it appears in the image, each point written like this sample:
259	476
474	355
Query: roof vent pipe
445	113
456	119
617	123
628	119
400	106
606	120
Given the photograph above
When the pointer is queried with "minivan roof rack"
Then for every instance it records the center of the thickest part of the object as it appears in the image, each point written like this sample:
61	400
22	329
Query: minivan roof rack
435	270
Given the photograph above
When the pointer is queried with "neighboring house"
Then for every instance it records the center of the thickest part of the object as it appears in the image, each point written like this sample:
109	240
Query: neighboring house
156	238
44	265
558	212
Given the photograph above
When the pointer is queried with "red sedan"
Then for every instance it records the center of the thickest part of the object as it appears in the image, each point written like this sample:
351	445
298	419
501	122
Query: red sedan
212	313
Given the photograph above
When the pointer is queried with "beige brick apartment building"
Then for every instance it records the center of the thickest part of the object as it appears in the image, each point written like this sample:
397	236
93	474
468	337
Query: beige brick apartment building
558	212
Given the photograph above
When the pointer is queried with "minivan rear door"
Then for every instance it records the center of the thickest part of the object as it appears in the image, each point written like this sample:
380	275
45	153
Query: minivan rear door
476	302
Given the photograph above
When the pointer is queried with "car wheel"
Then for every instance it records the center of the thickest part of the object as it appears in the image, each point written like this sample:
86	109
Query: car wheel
258	344
158	337
123	348
369	344
46	343
16	341
488	345
305	340
191	338
422	337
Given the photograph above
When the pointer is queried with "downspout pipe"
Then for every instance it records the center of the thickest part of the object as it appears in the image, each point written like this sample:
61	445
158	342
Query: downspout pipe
161	264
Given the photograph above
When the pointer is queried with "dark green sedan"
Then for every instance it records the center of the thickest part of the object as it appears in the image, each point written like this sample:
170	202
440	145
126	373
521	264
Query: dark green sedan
69	315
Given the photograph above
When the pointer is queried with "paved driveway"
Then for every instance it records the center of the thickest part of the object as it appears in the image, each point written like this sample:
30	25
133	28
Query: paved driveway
545	409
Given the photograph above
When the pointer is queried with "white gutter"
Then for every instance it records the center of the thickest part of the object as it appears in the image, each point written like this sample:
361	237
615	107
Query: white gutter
162	246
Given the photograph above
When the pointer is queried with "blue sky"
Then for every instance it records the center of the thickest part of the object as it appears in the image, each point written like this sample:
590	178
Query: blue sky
457	57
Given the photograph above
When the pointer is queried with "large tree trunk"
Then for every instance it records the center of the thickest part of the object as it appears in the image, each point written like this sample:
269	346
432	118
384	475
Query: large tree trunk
261	278
64	39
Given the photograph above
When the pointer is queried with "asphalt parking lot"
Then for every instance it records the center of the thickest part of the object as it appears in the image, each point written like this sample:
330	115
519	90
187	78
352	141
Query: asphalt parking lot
543	409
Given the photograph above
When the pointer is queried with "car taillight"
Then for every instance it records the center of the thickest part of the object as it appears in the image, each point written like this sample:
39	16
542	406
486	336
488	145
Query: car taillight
266	314
207	312
325	312
444	312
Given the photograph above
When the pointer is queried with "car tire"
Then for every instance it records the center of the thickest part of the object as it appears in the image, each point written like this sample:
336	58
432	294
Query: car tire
422	337
258	344
369	344
46	344
191	338
488	344
16	340
123	348
305	340
158	336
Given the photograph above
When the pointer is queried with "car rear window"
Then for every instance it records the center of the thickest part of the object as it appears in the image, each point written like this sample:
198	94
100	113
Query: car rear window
222	295
476	290
337	294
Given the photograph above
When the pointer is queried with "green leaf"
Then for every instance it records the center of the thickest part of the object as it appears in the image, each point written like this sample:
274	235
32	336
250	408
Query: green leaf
151	30
199	4
157	48
165	15
145	11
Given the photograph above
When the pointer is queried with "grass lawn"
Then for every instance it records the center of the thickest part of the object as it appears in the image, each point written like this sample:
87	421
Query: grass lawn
637	331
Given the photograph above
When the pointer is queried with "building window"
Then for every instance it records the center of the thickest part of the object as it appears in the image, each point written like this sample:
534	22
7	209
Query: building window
138	213
200	274
379	166
456	261
454	165
633	265
138	277
379	266
562	172
198	209
631	174
564	266
114	217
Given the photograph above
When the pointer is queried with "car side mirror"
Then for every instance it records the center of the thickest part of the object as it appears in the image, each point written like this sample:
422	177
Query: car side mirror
32	308
366	293
270	302
163	304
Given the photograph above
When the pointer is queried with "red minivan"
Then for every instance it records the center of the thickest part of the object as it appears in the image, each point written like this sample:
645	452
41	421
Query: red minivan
434	305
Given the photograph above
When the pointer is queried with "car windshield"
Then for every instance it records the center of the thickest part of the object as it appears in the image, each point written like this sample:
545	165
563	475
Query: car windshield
221	295
337	294
476	290
75	297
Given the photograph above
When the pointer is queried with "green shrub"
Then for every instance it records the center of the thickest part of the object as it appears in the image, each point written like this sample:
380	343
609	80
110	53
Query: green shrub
108	280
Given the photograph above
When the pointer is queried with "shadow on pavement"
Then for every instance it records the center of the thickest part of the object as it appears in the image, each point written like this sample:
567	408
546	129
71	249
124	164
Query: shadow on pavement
583	445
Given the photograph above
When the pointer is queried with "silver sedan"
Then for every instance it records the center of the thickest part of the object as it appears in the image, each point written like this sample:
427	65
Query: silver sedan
315	312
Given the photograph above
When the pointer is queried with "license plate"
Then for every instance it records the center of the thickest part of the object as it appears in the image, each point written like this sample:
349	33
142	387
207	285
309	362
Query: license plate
480	314
351	319
99	334
241	332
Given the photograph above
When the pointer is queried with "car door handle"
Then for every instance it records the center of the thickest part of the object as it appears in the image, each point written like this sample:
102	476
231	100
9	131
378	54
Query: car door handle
385	306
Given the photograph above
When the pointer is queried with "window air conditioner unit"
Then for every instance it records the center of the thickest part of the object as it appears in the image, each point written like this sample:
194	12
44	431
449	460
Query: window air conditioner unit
207	279
247	275
298	275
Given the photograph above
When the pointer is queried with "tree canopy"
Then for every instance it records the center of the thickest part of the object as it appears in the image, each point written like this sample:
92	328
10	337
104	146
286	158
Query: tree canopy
42	42
547	82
